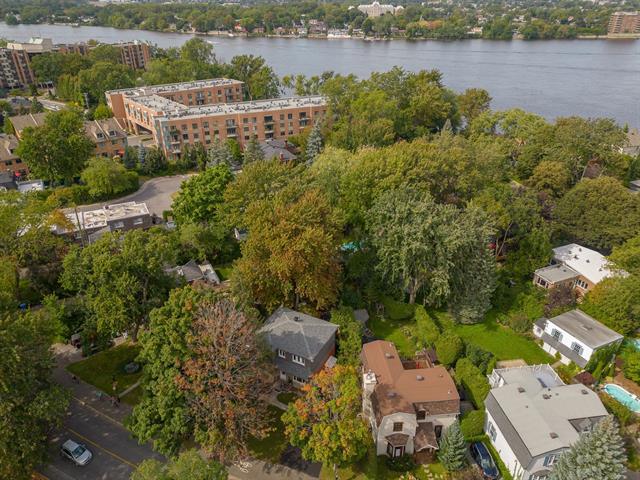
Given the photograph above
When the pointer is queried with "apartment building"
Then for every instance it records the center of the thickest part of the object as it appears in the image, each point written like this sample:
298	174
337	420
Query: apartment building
375	9
624	22
136	54
210	110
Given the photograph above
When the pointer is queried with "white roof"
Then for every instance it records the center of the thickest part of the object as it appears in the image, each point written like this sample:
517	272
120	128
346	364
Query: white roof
588	263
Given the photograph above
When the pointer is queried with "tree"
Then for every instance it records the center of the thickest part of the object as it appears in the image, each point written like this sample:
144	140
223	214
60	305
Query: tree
198	51
107	177
153	160
599	212
189	465
551	177
325	423
102	112
453	448
58	149
597	454
632	365
449	347
627	255
291	253
260	80
32	403
200	197
122	277
103	76
314	143
349	336
473	102
130	158
105	53
252	152
220	154
225	380
616	303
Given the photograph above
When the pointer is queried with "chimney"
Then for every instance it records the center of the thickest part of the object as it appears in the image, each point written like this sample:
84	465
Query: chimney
369	381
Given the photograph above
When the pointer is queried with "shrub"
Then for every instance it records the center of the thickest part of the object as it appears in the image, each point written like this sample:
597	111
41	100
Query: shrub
401	464
632	365
618	410
449	347
519	322
427	329
473	381
480	357
472	424
559	300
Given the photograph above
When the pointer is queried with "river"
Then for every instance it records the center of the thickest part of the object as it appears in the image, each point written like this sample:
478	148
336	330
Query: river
591	78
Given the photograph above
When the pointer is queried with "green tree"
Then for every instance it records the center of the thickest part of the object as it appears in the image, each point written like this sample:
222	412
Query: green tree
597	454
58	149
291	251
453	448
349	336
105	53
616	303
200	197
189	465
259	78
325	423
103	76
449	347
632	365
108	177
551	177
314	143
102	112
252	152
220	154
152	160
198	51
600	213
627	255
473	102
32	403
122	277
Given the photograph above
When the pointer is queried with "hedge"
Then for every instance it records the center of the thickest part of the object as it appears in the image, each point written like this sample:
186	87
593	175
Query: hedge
472	424
473	381
428	331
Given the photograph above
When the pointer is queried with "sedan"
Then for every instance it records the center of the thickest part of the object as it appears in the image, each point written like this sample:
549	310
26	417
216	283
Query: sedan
483	458
76	452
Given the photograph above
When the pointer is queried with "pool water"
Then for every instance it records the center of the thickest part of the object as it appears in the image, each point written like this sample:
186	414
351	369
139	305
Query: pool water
623	396
636	343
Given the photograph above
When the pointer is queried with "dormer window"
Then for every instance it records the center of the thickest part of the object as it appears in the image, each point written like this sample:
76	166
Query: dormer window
112	133
281	353
297	359
99	135
421	415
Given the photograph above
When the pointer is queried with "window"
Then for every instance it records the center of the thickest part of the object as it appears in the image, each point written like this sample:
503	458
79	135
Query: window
557	334
397	426
491	431
421	415
185	136
297	359
550	460
582	284
299	380
282	354
576	347
194	126
118	225
138	221
539	477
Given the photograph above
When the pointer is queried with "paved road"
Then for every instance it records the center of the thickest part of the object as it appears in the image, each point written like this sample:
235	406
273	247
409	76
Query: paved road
115	453
156	193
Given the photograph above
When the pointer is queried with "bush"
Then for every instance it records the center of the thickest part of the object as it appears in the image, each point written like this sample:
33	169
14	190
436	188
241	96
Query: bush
427	329
473	381
618	410
449	347
401	464
472	424
480	358
632	364
519	322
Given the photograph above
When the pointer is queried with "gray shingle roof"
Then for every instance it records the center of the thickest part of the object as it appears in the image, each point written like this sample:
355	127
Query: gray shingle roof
585	328
298	333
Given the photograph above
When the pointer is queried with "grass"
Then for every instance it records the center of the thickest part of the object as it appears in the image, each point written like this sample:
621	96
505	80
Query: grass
271	447
224	271
400	332
287	397
99	369
133	397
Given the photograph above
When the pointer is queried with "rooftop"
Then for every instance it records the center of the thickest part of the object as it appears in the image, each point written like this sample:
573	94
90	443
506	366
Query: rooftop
176	87
585	328
399	389
99	218
556	273
536	419
590	264
298	333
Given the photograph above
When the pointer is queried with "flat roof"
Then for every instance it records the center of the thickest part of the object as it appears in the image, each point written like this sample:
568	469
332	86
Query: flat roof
557	273
585	328
176	87
590	264
99	217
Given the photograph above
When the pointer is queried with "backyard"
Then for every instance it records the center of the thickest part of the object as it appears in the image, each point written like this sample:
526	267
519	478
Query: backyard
100	369
271	447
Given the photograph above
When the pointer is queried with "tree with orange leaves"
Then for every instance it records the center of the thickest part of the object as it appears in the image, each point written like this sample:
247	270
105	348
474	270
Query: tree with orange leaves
325	423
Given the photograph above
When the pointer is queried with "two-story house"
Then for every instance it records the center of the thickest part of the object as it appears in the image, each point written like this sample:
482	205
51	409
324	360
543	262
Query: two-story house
575	266
575	335
407	405
532	418
301	344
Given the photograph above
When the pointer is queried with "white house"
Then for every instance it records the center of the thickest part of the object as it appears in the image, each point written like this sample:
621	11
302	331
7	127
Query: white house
407	404
575	335
532	417
375	9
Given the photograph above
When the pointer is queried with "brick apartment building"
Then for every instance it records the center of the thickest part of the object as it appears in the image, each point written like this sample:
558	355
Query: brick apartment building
208	110
624	22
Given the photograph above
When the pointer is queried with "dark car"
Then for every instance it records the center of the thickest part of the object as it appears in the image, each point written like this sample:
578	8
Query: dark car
483	458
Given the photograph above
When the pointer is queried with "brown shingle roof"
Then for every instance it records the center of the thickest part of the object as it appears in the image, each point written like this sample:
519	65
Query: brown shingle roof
402	390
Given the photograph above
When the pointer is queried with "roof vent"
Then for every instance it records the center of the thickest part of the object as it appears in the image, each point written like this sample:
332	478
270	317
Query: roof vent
553	435
587	260
575	256
521	389
584	391
297	319
419	377
546	396
388	355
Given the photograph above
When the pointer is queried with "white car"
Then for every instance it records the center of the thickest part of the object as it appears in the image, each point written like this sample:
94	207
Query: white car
76	452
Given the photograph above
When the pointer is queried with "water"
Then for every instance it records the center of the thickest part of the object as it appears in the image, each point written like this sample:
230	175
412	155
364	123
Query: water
591	78
623	396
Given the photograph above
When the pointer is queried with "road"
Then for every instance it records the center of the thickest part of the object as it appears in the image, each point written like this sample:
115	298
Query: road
156	193
115	452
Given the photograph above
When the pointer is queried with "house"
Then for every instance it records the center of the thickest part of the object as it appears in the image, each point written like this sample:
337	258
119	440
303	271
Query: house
302	344
278	148
9	160
575	335
576	266
407	405
532	417
192	271
632	146
375	9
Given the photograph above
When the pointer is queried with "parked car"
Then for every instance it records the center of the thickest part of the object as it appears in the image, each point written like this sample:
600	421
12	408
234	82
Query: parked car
484	460
76	452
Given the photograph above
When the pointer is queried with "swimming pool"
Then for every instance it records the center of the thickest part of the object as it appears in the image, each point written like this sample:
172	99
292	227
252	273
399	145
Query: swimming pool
636	343
626	398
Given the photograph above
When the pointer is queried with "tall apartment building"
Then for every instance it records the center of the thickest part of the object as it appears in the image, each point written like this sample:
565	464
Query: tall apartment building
624	22
135	54
209	110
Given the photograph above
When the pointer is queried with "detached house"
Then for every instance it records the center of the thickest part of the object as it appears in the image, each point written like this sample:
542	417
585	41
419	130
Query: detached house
407	404
578	267
532	418
301	344
575	335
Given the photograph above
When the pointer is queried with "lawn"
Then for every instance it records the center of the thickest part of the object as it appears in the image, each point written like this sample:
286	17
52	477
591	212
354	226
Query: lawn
287	397
271	447
99	369
224	271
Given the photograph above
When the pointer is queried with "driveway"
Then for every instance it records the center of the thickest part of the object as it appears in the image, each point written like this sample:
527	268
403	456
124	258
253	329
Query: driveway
157	193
